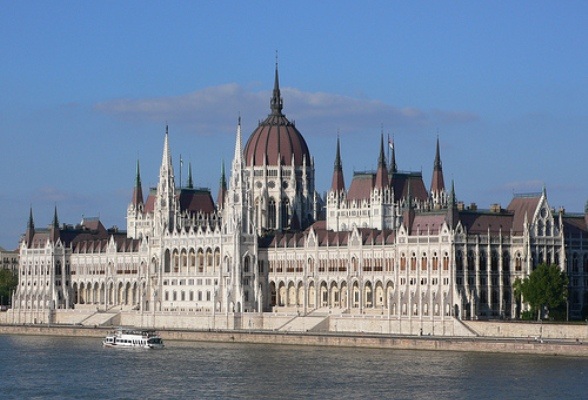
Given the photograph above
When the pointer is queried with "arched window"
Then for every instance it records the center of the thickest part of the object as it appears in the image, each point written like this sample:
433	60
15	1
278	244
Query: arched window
459	260
494	261
209	259
435	262
166	261
482	260
285	213
246	264
271	214
200	260
471	261
505	261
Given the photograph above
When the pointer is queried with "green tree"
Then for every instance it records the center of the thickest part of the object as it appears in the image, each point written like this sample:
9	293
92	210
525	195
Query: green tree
545	287
8	282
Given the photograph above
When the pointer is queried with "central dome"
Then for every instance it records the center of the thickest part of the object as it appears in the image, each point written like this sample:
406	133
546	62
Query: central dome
276	140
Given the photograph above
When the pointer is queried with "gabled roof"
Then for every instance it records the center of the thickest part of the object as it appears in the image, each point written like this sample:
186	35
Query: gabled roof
575	225
521	206
361	186
401	181
150	203
480	222
427	223
196	200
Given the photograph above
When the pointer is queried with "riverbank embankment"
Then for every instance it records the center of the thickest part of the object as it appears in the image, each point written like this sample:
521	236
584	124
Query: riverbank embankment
468	344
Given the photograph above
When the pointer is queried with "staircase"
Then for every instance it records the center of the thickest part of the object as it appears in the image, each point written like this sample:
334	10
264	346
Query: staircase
307	323
100	318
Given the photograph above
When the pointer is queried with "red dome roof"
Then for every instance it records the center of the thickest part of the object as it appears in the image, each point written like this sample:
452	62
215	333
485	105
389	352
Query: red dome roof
276	136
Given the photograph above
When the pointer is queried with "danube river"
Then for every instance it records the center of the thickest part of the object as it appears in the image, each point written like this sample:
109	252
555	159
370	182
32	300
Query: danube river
34	367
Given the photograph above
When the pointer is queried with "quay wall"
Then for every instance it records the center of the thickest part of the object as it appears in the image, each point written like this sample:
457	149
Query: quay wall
335	340
529	329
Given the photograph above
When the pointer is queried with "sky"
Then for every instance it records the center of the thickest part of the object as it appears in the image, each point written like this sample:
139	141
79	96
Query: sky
88	88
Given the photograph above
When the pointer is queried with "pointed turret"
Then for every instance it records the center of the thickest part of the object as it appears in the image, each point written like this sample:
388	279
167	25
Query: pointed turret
438	195
338	184
190	184
382	172
437	183
31	223
30	229
55	223
166	158
452	212
408	213
165	204
222	188
54	230
393	166
137	191
237	159
276	103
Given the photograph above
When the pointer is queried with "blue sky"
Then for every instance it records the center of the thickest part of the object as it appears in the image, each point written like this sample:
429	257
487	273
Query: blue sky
88	87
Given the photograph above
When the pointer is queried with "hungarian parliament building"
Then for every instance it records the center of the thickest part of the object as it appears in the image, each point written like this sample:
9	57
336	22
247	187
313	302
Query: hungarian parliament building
387	243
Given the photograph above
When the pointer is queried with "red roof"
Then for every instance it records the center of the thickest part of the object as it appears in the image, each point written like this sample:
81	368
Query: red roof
400	184
521	206
361	186
196	200
276	136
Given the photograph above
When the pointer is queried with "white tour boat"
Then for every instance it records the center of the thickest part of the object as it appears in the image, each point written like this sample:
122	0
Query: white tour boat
129	338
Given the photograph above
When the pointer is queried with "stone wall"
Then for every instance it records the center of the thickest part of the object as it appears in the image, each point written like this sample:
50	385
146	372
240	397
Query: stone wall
529	330
336	340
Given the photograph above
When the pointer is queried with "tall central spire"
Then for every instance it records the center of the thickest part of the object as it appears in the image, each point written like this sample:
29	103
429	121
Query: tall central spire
276	103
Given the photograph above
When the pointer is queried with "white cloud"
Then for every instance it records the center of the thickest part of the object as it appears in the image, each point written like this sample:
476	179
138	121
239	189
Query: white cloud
214	109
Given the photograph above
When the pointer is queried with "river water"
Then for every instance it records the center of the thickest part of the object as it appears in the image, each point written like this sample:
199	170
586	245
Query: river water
34	367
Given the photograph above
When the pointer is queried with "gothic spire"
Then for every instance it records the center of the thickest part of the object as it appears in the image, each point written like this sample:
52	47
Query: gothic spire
276	102
238	145
338	183
393	167
452	194
55	227
166	159
382	172
137	191
190	184
30	230
222	187
31	223
437	183
55	222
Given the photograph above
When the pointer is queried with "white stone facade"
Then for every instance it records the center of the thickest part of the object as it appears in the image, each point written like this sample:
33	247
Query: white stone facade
390	248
